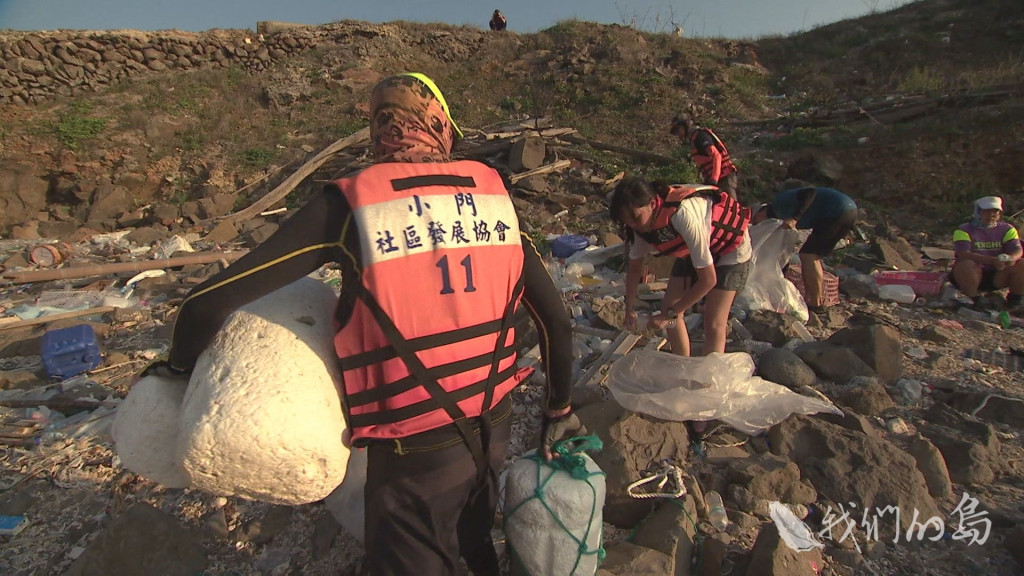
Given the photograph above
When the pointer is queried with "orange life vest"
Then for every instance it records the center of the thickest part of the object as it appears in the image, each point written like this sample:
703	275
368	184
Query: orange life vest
429	340
729	220
706	163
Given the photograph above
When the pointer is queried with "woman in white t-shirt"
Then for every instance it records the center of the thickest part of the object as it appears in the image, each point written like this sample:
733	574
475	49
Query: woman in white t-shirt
704	229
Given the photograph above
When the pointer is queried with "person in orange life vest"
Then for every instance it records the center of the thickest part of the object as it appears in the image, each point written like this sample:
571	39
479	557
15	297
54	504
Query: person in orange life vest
498	21
704	229
708	153
829	214
434	267
988	255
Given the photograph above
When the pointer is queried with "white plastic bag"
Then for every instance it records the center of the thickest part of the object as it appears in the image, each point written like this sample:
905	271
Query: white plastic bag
767	288
714	387
346	502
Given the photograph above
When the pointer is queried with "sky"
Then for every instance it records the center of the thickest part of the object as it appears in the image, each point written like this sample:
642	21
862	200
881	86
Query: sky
719	18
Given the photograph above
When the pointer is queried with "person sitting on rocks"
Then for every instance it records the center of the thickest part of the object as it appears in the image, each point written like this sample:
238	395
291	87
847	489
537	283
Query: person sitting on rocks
828	213
988	255
498	21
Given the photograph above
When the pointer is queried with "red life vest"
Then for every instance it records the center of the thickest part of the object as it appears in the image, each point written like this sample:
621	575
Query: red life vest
706	163
429	341
729	220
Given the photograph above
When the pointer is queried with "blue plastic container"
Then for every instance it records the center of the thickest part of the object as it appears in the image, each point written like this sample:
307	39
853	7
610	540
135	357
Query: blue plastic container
69	351
567	245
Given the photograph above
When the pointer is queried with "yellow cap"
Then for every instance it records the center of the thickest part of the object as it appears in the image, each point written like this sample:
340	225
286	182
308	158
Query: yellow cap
437	94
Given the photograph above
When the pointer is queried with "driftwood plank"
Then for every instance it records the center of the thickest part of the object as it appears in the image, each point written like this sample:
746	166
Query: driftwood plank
298	176
542	170
618	348
117	267
642	154
55	317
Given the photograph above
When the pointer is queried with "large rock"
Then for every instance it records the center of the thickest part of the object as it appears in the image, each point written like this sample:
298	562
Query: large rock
526	154
626	559
852	467
830	362
140	542
670	530
878	345
933	466
897	253
771	556
108	202
970	448
785	367
261	417
22	193
632	444
820	169
868	396
770	477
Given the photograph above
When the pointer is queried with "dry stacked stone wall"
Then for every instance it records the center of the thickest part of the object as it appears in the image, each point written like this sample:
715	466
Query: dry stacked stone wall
35	66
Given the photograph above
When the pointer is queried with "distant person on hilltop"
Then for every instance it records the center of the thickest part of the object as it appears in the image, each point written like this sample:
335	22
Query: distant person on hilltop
498	21
988	255
708	153
828	213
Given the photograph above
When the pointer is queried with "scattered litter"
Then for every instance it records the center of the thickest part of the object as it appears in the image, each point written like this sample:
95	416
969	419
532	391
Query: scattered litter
11	525
1013	361
897	426
916	352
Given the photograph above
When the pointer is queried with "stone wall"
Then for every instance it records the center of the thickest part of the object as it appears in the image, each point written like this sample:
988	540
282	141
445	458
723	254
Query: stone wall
35	66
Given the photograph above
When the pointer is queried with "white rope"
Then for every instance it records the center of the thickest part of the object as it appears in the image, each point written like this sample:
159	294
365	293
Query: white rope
668	472
987	398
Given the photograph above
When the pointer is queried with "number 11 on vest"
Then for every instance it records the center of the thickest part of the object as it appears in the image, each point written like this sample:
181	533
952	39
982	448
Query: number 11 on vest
446	280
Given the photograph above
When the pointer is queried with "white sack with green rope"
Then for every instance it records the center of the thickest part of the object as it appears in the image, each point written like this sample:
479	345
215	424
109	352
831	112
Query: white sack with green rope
553	515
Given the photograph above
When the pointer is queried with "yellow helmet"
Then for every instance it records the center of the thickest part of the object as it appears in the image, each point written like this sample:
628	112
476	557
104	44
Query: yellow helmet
437	94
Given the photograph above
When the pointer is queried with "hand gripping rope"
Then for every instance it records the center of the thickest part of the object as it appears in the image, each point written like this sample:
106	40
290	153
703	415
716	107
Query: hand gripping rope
667	483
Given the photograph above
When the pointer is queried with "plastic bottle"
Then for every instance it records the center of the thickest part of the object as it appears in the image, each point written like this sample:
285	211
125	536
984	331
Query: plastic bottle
578	269
799	510
739	330
1004	320
897	292
716	510
974	314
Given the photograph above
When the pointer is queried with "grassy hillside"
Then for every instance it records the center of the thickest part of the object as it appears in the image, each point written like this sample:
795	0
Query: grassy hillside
183	135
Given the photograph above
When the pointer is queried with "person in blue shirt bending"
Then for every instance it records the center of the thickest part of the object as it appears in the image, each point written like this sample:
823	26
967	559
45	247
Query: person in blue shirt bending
828	213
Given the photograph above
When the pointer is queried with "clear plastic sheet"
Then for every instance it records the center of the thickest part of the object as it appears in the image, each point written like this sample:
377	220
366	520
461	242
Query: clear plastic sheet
714	387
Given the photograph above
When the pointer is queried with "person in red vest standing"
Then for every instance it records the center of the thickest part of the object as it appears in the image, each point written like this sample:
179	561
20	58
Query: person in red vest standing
434	269
708	153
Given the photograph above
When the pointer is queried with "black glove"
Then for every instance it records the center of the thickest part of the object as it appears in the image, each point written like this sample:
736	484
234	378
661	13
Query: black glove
554	429
162	368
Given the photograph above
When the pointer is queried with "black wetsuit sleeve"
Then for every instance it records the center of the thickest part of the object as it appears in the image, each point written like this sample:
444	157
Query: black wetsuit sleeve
544	302
303	243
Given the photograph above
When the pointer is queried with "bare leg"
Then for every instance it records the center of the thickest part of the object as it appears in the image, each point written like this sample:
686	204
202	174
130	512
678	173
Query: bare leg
967	274
677	335
1016	277
716	319
814	279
